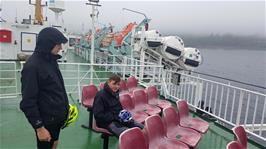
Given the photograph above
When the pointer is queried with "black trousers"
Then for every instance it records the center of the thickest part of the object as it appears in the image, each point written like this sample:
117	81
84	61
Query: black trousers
54	130
118	127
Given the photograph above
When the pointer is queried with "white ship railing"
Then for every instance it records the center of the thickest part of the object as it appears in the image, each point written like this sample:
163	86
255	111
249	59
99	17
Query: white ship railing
229	104
8	79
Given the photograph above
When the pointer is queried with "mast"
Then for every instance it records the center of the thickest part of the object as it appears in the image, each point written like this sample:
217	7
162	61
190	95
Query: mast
94	4
38	11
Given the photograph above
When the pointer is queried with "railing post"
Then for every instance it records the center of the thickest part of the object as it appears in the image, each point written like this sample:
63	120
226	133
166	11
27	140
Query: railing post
113	68
199	90
142	59
91	73
227	98
136	67
16	81
254	114
124	67
154	75
239	107
263	113
160	69
79	94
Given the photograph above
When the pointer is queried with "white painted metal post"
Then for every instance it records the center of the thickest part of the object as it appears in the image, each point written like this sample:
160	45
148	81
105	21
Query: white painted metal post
246	114
254	113
221	100
233	105
160	69
93	14
92	45
16	81
79	93
239	107
142	59
215	99
124	67
226	104
263	113
206	91
210	99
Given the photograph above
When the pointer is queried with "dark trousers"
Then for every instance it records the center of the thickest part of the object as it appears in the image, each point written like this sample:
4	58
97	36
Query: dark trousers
118	127
54	130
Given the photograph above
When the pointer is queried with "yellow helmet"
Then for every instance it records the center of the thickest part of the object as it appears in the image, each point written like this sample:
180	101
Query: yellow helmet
71	116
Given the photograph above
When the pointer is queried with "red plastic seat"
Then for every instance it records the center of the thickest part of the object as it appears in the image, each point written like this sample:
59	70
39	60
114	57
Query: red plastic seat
123	85
234	145
141	103
174	130
132	139
88	94
186	121
241	136
132	82
101	85
98	129
105	134
154	100
156	135
127	104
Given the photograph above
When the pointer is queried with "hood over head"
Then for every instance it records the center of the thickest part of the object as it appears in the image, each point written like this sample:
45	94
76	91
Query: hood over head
47	39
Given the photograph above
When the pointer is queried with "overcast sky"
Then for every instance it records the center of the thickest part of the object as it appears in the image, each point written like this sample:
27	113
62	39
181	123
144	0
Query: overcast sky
178	17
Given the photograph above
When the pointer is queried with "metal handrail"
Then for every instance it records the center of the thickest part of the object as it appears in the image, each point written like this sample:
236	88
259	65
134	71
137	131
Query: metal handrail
235	102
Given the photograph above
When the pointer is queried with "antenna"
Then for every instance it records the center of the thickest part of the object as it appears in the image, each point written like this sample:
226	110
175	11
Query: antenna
1	19
16	18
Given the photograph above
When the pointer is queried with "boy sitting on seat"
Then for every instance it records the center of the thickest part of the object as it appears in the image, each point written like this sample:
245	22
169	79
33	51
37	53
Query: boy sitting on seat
108	111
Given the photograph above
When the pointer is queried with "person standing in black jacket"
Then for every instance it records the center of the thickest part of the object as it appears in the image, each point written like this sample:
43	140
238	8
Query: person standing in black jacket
107	108
44	99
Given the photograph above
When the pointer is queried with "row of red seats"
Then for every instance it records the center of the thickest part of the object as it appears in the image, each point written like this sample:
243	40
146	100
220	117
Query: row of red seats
176	125
241	139
149	103
173	125
153	136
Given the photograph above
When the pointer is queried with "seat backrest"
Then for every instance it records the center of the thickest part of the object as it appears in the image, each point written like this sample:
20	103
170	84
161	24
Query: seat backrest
101	85
132	82
152	92
182	108
132	138
140	97
170	118
88	93
123	85
234	145
241	135
154	128
126	101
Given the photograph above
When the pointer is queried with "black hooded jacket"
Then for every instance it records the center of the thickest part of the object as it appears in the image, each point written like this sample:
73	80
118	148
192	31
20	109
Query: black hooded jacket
106	107
44	98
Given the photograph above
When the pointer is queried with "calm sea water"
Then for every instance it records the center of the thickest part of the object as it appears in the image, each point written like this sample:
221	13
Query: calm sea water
248	66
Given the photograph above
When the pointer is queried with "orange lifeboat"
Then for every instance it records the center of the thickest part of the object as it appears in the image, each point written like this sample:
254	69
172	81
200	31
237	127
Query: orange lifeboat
121	35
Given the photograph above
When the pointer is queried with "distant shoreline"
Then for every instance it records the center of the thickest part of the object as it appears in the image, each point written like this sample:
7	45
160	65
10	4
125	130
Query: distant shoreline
214	47
226	41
